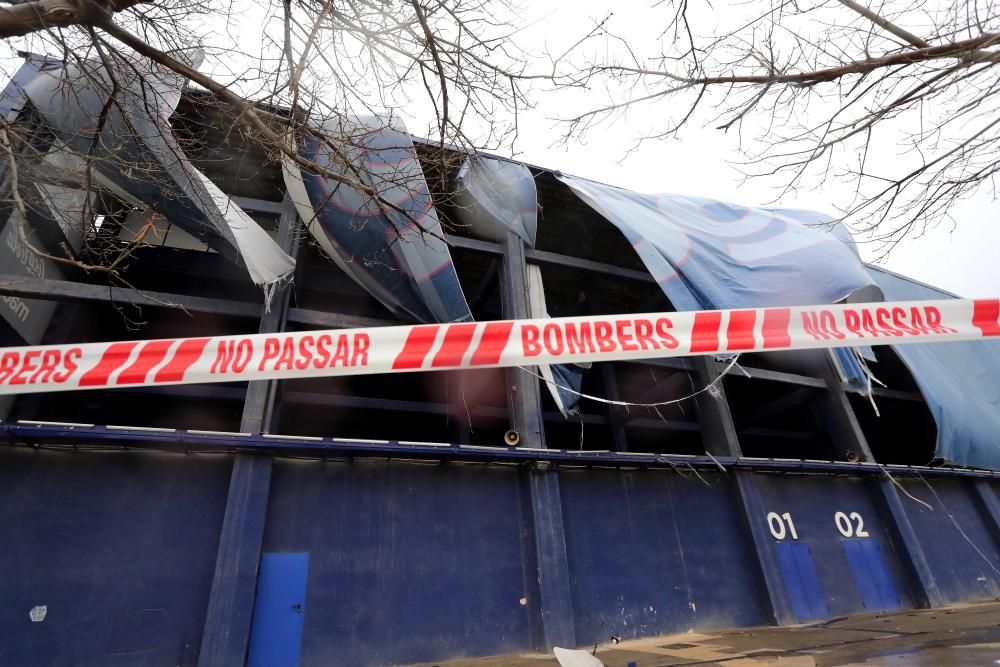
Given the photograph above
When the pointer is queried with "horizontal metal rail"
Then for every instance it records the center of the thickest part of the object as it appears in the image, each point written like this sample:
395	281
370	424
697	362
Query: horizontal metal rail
38	433
552	258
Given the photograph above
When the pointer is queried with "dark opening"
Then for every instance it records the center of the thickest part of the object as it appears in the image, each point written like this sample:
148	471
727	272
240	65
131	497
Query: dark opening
903	432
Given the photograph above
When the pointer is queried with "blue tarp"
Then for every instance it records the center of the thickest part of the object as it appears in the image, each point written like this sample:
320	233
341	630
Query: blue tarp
708	254
397	253
959	381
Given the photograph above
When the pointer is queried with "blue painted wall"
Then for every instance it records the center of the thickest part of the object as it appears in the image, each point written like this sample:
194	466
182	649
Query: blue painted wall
812	502
657	552
119	546
961	548
407	562
414	562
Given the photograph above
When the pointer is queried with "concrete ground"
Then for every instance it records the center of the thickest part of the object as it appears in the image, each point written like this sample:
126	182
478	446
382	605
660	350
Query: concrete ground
964	635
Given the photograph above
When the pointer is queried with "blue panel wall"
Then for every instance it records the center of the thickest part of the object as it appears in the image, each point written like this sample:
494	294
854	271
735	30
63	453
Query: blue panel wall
657	552
408	562
812	502
119	547
426	561
961	549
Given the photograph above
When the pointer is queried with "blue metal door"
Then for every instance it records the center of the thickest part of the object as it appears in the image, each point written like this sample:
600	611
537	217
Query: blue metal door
804	588
278	614
871	576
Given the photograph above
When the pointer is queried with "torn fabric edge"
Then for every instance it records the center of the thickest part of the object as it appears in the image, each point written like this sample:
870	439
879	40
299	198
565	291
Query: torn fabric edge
563	381
137	133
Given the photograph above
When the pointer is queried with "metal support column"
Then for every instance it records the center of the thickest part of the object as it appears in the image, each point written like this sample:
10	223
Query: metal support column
847	435
619	441
526	413
991	504
719	435
234	584
616	423
555	604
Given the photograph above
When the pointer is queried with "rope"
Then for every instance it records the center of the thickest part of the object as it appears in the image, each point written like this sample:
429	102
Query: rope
626	404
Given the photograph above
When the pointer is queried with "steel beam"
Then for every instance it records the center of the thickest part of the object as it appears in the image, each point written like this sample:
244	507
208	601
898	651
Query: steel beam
234	584
883	392
61	290
719	435
554	607
523	386
991	506
555	259
226	632
846	431
552	258
777	376
39	434
65	291
325	320
259	205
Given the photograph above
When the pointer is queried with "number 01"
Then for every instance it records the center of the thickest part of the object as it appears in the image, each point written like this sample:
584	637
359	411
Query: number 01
778	522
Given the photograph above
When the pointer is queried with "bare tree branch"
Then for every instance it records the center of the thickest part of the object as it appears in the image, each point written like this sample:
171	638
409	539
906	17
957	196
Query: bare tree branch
28	17
819	89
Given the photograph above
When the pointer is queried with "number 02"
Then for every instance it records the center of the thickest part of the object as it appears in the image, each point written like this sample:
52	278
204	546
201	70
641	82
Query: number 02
848	529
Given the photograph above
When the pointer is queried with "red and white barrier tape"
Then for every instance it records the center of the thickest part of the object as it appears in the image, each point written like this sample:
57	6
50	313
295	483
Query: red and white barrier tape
489	344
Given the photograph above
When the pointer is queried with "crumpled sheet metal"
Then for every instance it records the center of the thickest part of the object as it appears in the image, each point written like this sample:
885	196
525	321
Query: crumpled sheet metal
397	256
493	197
137	156
397	253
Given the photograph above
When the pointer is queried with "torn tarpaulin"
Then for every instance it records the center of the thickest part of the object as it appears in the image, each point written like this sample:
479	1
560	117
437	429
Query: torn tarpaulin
135	154
493	198
708	254
397	253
